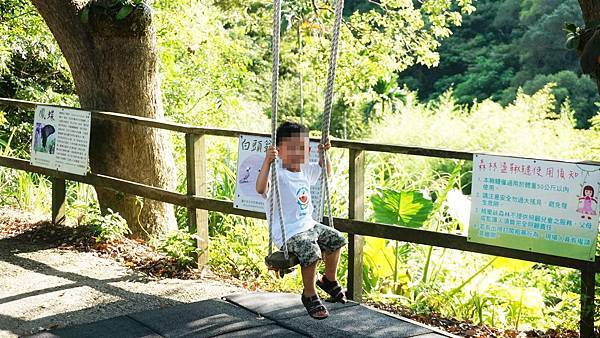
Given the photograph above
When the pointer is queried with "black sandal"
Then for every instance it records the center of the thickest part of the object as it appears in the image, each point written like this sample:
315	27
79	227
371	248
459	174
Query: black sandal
313	306
333	289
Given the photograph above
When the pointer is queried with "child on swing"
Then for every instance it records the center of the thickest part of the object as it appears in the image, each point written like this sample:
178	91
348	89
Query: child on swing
306	238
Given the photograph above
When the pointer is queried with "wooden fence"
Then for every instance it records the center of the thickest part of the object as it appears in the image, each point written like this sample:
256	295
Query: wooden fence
198	204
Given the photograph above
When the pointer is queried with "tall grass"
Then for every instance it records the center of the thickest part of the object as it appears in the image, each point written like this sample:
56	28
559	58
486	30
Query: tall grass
465	285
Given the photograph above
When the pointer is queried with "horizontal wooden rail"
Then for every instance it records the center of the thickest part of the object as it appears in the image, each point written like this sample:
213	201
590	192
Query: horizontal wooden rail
417	236
188	129
347	144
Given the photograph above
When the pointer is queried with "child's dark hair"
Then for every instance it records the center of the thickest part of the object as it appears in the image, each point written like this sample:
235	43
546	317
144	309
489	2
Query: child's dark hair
289	129
588	187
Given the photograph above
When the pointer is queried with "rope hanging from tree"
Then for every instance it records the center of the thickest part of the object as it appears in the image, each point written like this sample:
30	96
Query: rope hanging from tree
324	179
274	195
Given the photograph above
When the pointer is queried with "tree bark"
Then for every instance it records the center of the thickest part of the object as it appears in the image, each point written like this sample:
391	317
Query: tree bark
114	66
590	10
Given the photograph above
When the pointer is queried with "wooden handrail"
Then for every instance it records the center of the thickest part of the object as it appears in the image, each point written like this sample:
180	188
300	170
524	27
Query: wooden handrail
347	144
357	227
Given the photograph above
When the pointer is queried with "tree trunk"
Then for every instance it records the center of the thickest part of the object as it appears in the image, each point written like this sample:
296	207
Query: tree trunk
114	66
590	10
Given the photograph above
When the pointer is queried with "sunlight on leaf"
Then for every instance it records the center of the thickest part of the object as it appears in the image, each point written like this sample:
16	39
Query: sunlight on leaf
380	256
406	208
512	265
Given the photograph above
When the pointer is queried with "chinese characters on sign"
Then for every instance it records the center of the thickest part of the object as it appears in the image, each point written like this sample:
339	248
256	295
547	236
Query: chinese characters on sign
535	205
61	139
251	154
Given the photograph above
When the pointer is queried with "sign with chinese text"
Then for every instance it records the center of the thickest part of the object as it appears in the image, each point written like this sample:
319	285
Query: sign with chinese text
251	154
61	139
541	206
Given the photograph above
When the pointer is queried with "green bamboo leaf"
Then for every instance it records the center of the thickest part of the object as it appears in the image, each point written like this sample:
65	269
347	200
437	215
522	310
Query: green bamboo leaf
406	208
124	12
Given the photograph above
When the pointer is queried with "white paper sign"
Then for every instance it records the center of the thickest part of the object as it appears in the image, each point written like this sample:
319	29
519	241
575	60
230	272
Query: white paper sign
60	139
251	155
535	205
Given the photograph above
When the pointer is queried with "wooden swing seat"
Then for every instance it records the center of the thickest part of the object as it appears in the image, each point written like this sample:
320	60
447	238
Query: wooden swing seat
276	261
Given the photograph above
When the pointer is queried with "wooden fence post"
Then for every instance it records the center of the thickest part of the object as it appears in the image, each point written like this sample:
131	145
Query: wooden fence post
588	284
356	211
59	192
196	185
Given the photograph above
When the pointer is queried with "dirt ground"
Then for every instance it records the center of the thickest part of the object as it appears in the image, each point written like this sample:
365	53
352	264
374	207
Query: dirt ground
44	287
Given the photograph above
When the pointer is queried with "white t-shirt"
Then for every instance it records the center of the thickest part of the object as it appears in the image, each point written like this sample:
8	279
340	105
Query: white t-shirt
294	189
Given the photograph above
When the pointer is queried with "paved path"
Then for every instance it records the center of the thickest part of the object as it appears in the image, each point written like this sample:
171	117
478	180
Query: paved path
43	288
251	315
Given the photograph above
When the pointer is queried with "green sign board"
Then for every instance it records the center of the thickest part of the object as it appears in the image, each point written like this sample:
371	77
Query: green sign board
535	205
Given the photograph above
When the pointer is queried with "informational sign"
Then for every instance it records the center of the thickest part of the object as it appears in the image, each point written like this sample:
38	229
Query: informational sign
251	155
535	205
61	139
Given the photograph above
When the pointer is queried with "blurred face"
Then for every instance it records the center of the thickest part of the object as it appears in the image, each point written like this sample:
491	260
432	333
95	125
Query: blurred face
588	192
293	151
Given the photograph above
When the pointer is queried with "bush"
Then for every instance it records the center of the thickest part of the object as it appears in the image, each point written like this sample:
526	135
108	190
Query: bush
109	227
180	245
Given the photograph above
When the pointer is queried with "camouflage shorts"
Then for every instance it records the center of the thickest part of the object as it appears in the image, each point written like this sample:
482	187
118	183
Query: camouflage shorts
308	244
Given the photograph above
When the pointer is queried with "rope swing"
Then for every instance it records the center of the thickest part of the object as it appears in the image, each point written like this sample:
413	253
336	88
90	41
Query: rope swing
282	261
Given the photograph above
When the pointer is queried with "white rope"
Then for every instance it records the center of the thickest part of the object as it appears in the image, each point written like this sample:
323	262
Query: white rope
324	180
274	195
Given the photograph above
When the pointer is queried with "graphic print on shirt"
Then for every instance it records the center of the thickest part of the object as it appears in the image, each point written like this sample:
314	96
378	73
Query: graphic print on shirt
303	201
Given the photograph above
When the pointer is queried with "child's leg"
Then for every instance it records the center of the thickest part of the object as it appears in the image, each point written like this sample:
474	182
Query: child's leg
331	260
331	243
317	311
308	279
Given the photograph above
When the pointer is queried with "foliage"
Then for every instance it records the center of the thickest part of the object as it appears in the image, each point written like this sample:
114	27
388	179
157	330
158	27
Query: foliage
494	291
573	35
240	250
531	125
404	208
180	245
120	9
207	67
108	227
31	68
506	45
578	91
379	39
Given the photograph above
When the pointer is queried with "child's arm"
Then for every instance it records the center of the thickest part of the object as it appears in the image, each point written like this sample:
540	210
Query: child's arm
263	175
328	163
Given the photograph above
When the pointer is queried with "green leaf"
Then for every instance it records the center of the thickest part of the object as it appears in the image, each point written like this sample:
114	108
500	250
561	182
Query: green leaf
512	265
570	27
285	24
406	208
85	15
124	12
